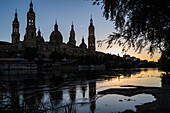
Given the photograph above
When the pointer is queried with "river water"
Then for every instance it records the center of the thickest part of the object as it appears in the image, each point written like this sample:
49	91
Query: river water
75	91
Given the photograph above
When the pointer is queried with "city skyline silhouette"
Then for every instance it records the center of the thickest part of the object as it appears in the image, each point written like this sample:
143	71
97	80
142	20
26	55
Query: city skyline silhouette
65	12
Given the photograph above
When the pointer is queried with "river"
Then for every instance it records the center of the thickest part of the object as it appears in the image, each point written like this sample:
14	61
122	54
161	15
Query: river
75	91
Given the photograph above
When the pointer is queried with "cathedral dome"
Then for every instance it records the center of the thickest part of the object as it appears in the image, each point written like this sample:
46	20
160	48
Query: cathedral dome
56	36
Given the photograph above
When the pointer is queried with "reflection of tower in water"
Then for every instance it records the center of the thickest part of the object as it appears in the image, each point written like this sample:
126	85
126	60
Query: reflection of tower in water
73	93
83	89
14	99
92	94
33	97
56	96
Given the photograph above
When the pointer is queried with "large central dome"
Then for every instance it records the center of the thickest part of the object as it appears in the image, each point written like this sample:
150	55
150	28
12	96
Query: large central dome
56	36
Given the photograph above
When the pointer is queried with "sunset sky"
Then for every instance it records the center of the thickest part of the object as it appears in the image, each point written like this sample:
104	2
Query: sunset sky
65	11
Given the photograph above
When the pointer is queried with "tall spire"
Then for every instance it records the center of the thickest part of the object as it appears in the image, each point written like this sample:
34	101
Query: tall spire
56	26
91	20
16	12
56	21
39	32
72	24
16	16
83	39
72	27
31	6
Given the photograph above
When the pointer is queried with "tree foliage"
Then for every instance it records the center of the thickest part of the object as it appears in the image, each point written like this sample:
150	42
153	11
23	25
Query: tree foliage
165	61
138	23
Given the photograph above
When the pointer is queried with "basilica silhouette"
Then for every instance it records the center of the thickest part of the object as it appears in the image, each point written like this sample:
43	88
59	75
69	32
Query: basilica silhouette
33	39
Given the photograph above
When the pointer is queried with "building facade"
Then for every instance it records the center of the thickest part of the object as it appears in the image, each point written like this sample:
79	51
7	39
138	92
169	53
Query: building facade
33	39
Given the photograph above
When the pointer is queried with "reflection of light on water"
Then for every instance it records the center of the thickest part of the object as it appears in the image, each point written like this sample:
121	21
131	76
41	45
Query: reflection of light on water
83	92
150	77
114	103
119	103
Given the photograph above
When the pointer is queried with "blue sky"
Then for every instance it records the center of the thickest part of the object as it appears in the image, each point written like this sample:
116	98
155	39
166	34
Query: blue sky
65	11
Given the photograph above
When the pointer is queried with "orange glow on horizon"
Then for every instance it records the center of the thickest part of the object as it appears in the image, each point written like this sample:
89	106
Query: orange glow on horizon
118	50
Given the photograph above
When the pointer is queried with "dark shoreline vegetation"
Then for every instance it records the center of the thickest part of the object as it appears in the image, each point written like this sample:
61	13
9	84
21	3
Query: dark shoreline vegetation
13	86
58	61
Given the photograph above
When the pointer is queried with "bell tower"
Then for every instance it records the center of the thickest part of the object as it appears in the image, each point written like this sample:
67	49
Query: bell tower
15	30
30	37
72	41
91	38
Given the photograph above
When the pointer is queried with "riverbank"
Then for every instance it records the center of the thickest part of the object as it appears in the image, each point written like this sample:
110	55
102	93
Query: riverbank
162	95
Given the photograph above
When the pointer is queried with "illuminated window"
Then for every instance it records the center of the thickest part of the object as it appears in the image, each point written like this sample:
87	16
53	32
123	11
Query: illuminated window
31	21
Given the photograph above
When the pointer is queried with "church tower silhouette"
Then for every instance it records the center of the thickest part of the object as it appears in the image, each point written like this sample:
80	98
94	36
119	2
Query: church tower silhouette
15	30
30	37
91	38
72	41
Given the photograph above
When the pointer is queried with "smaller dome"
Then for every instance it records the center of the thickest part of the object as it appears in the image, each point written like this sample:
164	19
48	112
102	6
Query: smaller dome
56	37
83	45
39	38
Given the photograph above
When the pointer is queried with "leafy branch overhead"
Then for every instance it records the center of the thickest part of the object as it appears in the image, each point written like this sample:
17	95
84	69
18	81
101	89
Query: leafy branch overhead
138	23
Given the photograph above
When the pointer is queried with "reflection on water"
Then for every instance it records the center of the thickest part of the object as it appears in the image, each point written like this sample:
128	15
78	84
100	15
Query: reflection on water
52	92
145	77
119	103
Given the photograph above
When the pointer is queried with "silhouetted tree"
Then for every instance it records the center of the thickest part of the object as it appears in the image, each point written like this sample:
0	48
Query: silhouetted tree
165	61
138	23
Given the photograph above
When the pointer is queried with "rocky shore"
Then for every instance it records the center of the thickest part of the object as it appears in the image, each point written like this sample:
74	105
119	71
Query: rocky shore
162	95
